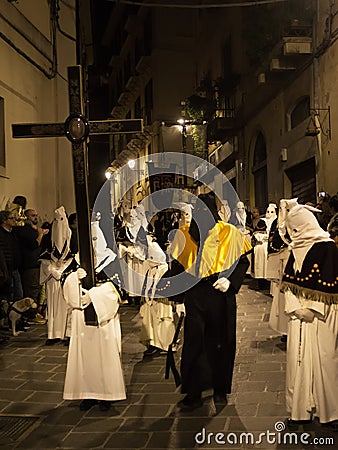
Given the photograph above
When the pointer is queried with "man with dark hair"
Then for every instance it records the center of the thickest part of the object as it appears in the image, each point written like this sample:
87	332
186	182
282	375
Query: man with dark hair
21	201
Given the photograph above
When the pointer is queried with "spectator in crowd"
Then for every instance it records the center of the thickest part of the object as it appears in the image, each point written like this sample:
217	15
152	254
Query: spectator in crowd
30	238
9	246
333	203
253	218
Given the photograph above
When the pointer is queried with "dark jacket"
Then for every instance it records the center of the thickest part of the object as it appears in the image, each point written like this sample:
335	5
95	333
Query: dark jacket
30	249
10	248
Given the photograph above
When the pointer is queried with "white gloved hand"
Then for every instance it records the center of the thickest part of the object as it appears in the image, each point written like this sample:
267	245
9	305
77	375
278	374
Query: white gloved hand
85	300
222	284
180	308
81	273
305	314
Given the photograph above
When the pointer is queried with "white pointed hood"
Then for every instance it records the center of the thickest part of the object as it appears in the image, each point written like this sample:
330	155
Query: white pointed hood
61	234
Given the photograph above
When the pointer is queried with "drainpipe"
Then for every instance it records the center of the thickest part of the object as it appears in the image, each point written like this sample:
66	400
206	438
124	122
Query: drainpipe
315	71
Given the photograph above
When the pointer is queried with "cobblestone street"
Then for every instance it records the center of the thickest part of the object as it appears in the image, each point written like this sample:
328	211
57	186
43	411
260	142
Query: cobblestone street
34	415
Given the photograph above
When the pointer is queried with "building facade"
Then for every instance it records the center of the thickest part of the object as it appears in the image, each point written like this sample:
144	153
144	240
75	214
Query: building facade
253	87
256	83
35	52
270	71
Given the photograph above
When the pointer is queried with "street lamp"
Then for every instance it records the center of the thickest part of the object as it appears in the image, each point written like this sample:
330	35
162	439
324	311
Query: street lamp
183	123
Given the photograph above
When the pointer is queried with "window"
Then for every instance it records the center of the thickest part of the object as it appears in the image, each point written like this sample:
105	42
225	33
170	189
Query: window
300	112
2	133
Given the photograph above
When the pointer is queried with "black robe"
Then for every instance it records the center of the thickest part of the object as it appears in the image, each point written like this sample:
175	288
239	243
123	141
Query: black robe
209	347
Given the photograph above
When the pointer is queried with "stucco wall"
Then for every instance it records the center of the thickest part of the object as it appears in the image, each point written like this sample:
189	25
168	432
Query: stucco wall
40	169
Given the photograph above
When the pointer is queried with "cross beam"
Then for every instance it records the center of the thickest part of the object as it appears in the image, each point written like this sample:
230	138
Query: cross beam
77	128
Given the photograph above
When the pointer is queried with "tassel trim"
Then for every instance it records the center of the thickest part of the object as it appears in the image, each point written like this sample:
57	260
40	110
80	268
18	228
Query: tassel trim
311	294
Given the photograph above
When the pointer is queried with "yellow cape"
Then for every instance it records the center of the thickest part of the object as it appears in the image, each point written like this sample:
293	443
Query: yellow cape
222	248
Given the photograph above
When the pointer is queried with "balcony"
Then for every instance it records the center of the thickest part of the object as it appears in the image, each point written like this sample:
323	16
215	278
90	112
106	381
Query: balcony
292	48
224	125
281	65
297	46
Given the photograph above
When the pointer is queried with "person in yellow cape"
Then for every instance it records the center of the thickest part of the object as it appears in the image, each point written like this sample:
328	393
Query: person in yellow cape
213	253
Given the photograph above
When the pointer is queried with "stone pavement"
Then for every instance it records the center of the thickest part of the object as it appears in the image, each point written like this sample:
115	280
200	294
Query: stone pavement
34	415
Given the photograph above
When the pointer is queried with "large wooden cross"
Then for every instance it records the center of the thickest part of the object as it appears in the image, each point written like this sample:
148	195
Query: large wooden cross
77	128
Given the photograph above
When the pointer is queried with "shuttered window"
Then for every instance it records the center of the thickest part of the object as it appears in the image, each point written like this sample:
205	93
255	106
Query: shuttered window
303	181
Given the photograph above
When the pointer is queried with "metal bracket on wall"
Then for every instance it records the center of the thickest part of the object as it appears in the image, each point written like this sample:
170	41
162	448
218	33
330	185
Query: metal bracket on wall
320	122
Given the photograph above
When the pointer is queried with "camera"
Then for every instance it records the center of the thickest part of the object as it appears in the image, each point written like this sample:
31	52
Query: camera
322	194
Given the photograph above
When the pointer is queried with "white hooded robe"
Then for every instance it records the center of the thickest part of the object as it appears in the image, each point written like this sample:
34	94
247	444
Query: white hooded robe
58	316
94	369
312	347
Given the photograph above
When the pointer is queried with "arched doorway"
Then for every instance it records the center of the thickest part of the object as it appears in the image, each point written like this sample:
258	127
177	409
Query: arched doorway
259	171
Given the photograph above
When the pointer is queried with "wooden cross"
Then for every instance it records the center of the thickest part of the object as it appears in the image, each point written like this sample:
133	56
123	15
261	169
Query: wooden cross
77	128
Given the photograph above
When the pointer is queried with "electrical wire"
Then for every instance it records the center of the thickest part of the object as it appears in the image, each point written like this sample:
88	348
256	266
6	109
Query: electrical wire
199	6
64	33
27	57
57	9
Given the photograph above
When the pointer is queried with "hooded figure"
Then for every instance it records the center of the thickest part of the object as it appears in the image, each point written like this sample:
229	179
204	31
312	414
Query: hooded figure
134	251
102	254
94	371
157	313
186	213
260	257
238	217
225	211
157	329
278	254
51	271
213	254
310	283
270	215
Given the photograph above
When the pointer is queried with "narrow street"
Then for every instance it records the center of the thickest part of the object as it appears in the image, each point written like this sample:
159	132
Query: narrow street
34	415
